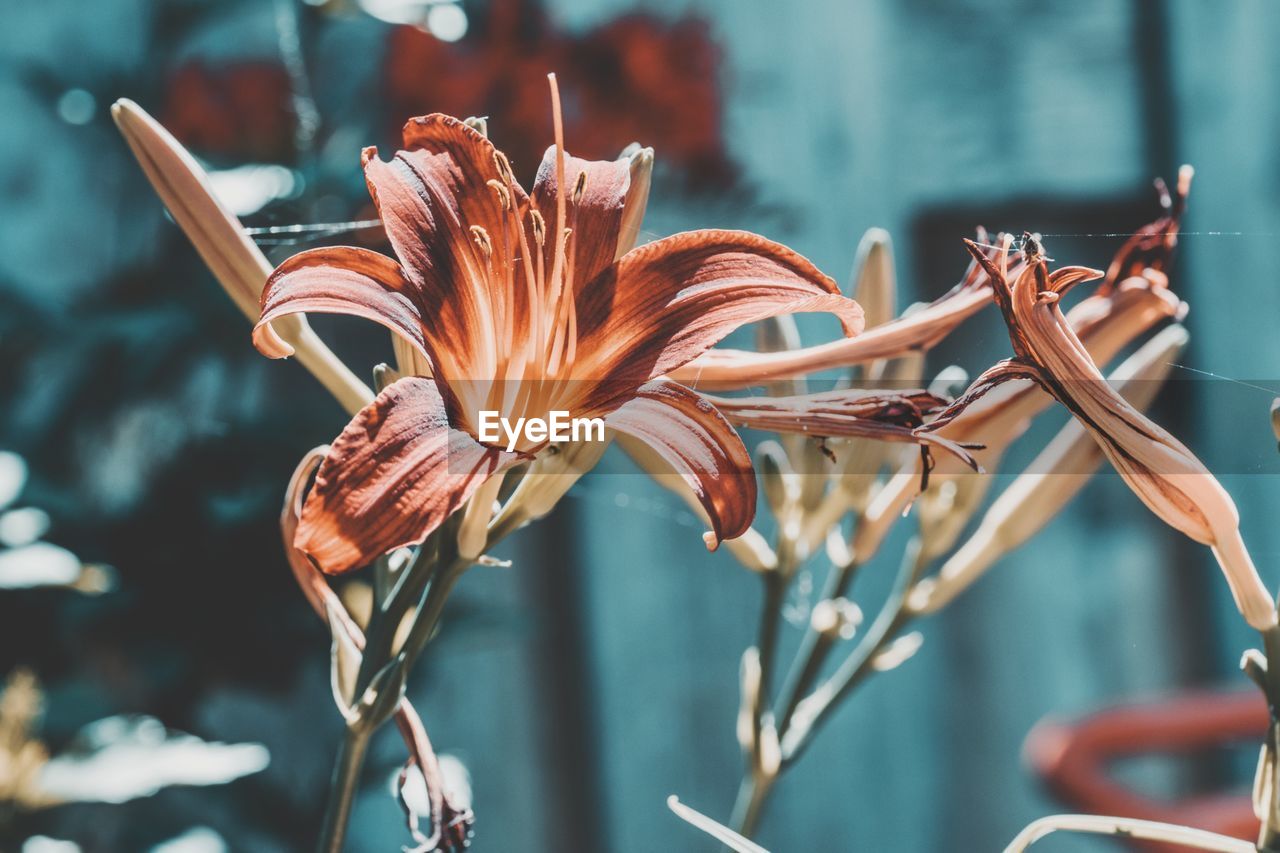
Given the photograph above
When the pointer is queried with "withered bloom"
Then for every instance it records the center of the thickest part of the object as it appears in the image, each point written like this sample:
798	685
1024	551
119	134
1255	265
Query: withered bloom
520	305
1131	300
1160	470
881	415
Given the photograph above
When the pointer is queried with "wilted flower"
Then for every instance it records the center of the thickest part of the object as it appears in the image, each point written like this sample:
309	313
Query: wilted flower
896	416
1050	481
1160	470
518	304
1106	322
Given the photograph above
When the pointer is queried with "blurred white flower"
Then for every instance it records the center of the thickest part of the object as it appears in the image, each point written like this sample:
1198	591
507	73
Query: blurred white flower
249	188
27	562
122	758
23	526
13	476
200	839
38	564
45	844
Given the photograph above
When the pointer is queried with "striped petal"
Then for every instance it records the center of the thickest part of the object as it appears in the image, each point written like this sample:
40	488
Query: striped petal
595	218
701	446
917	331
397	471
665	303
454	234
340	280
880	415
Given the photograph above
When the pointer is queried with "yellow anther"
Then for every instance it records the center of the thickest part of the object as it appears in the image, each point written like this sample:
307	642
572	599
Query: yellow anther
503	165
539	227
504	197
481	237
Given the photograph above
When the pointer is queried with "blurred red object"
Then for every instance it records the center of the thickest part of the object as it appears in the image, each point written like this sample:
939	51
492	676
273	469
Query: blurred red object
636	78
1074	758
241	112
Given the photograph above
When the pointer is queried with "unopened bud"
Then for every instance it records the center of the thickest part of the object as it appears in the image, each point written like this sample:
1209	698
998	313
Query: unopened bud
473	532
875	285
776	477
637	199
836	618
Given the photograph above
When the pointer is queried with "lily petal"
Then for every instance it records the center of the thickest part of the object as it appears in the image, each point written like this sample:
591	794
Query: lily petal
1159	469
665	303
700	445
918	331
340	280
397	471
455	234
595	218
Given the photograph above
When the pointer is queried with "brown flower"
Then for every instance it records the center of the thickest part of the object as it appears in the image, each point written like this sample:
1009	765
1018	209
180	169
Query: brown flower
1050	481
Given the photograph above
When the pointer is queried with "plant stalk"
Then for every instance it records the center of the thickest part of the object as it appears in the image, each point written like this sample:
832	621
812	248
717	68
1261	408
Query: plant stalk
342	788
1269	832
752	795
813	650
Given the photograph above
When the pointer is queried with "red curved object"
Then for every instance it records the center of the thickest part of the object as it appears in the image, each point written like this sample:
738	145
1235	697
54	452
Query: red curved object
1073	758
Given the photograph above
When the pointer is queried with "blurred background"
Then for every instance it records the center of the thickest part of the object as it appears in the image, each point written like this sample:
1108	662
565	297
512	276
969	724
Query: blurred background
144	435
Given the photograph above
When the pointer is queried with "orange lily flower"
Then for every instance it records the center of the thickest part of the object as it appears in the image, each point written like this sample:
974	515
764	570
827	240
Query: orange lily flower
519	305
1161	471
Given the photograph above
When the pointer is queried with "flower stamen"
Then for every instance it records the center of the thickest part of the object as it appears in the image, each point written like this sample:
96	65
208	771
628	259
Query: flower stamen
481	238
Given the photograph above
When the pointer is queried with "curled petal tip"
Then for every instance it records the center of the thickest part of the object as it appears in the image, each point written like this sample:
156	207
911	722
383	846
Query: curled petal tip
270	343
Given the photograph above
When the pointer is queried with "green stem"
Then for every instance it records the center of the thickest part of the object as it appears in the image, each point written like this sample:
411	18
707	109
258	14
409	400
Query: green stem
1269	833
342	789
814	648
424	624
751	791
888	624
752	795
775	588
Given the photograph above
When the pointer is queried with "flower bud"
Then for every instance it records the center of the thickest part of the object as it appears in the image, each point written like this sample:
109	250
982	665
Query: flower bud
778	480
875	284
637	199
222	243
551	476
473	532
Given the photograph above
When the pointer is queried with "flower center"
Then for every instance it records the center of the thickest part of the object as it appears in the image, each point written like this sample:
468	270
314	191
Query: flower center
536	335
